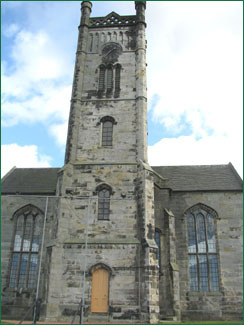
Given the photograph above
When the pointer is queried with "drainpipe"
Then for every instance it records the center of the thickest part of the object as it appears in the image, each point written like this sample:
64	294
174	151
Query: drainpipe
39	271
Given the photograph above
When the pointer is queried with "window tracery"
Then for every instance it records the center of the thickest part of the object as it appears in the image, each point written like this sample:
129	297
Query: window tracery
26	244
202	251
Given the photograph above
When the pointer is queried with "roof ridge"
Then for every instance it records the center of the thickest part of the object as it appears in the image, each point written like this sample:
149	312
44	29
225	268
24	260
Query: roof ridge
190	166
37	168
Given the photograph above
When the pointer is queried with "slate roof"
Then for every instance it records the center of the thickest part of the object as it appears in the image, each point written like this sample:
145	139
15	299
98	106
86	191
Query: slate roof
30	181
201	178
181	178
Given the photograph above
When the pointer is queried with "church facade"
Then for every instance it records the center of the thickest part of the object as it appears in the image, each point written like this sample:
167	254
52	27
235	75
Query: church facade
107	236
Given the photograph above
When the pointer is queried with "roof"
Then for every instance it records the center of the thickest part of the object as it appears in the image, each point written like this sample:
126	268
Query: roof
180	178
201	178
30	181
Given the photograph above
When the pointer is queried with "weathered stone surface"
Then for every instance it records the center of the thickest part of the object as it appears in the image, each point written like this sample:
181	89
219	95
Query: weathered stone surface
77	244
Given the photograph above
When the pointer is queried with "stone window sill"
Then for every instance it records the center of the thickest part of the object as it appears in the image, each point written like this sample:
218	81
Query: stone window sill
204	293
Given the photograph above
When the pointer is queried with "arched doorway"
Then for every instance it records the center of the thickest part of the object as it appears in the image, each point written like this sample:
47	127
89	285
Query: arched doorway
99	301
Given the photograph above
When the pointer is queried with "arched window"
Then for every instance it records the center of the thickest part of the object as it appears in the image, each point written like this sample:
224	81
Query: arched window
26	244
107	134
107	131
104	192
203	259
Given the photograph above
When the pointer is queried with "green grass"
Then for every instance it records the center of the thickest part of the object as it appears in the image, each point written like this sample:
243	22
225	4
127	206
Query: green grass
204	322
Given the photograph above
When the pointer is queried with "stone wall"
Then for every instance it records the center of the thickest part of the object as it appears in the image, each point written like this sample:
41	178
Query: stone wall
15	302
226	304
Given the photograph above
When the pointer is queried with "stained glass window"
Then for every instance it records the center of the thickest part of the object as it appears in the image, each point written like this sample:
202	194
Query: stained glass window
203	261
24	262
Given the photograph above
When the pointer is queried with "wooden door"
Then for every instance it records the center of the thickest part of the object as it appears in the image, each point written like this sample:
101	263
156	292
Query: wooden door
99	302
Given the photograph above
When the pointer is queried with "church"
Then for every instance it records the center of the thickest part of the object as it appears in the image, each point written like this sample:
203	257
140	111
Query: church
107	237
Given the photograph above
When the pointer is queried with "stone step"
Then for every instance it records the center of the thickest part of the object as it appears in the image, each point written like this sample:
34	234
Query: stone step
99	317
168	318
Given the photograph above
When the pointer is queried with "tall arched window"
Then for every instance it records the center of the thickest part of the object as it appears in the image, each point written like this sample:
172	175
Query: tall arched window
203	259
104	192
107	131
26	244
107	134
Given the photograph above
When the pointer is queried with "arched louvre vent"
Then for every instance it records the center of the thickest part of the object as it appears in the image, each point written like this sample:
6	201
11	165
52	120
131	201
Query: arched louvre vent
101	84
117	80
109	80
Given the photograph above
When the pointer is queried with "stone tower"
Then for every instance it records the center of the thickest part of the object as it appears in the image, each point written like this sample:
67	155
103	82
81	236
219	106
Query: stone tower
106	236
107	229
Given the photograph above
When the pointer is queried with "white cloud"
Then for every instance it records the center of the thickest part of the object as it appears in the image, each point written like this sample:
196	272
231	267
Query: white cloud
205	76
37	88
59	131
50	106
187	150
195	69
21	157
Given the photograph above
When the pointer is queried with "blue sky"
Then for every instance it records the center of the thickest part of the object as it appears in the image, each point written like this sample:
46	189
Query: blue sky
195	80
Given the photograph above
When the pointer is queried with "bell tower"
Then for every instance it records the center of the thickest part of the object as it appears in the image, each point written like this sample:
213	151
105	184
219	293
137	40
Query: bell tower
107	176
109	80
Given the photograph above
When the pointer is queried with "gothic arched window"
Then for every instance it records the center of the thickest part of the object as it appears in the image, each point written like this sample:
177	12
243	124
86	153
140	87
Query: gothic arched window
104	193
203	259
107	131
26	244
107	134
